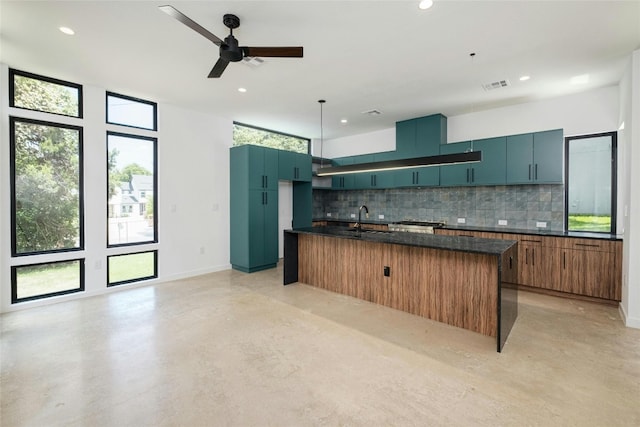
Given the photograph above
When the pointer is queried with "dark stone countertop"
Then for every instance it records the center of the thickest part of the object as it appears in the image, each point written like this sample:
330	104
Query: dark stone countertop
432	241
537	232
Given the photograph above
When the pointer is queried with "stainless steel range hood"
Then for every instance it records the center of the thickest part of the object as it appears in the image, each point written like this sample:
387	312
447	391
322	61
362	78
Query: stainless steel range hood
416	162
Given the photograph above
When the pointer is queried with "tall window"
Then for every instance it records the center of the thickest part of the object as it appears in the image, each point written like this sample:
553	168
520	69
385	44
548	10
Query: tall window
46	186
132	189
245	134
591	182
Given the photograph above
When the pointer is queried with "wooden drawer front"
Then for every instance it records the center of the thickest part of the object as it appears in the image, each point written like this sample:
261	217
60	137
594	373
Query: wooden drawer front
589	245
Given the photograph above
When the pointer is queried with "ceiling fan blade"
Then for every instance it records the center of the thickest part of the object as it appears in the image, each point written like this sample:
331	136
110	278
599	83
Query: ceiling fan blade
274	52
217	69
175	13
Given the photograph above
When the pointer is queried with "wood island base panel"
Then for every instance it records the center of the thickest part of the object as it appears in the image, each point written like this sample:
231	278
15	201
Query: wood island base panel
422	275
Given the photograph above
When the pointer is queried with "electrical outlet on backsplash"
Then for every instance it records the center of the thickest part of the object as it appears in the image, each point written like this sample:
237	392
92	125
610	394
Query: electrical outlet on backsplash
520	205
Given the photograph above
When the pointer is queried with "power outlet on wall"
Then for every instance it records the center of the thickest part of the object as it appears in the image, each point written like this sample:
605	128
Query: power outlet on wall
329	214
462	220
353	215
502	222
541	224
380	216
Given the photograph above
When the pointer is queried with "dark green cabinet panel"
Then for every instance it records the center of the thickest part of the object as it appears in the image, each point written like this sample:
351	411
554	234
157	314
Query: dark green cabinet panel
253	208
535	158
263	166
302	204
548	150
382	179
343	182
294	166
490	171
420	137
417	177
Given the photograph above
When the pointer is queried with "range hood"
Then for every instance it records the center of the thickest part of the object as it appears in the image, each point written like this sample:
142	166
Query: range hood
415	162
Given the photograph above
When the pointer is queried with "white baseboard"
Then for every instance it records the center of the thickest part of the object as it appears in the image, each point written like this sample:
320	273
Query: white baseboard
630	322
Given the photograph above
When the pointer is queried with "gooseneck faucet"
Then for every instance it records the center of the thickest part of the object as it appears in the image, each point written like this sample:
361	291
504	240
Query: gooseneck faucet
359	224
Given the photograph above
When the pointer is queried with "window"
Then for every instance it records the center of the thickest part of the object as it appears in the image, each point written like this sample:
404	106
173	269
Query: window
132	170
46	187
590	202
133	112
29	282
129	268
39	93
245	134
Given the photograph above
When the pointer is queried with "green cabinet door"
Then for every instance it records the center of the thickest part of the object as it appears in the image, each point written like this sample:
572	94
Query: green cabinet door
492	170
455	175
294	166
548	150
263	166
520	159
302	204
431	132
263	230
535	158
343	182
405	138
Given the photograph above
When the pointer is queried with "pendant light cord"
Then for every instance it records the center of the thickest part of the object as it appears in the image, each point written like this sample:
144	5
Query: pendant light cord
321	101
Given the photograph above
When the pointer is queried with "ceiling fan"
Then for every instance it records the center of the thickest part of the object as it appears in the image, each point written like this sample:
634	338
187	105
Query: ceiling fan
229	49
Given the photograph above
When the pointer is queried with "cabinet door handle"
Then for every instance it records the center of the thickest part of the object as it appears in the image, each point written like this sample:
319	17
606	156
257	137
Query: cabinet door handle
529	240
266	181
533	256
536	172
263	197
266	198
587	245
529	171
526	256
510	262
417	177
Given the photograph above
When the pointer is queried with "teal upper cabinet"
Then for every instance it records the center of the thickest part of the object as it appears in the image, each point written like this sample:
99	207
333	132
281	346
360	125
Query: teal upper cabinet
535	158
294	166
420	137
381	179
263	166
342	182
490	171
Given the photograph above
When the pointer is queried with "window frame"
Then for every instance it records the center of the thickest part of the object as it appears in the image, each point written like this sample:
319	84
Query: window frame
614	179
14	281
139	279
12	179
278	133
155	187
13	72
134	99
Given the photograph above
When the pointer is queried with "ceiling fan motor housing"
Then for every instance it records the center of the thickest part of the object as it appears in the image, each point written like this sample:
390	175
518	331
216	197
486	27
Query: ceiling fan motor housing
230	51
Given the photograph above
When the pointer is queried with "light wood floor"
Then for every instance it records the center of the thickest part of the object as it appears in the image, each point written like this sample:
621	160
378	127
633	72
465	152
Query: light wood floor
240	350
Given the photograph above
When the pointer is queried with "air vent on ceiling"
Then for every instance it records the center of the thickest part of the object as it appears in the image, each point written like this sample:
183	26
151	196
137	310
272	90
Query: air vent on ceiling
496	85
252	61
373	112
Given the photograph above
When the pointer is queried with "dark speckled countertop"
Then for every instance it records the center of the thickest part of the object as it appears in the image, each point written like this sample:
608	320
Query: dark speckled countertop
433	241
538	232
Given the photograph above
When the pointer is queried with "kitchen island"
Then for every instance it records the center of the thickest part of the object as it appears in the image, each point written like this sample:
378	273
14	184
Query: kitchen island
455	280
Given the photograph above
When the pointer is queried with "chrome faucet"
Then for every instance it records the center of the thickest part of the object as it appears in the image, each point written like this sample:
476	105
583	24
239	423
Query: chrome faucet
359	224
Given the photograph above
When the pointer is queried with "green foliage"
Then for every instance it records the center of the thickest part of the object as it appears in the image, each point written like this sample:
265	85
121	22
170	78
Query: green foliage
246	135
597	223
47	177
45	96
128	171
150	207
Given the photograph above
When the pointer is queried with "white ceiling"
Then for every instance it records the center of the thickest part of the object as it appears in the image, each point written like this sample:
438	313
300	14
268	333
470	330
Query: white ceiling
358	55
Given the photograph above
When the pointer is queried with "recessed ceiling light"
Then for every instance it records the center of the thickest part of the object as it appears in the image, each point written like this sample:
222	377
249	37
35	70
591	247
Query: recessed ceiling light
68	31
580	80
425	4
343	121
241	89
524	78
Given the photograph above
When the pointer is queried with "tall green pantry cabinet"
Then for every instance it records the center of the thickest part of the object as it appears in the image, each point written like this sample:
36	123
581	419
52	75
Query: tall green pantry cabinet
255	172
254	208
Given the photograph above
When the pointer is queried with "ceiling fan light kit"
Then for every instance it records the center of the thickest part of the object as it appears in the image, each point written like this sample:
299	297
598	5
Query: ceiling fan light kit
230	50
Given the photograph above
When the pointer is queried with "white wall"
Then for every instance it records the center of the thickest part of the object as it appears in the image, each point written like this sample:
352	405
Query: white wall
629	155
193	195
371	142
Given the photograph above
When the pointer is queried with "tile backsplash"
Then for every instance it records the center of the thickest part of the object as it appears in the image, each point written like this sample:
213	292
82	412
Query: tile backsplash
521	206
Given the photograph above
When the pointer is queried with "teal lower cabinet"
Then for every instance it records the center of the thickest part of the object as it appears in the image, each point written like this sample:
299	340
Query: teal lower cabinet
254	230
